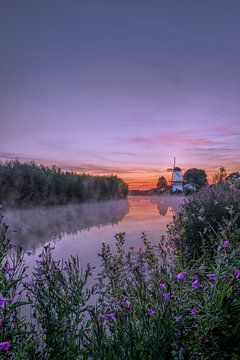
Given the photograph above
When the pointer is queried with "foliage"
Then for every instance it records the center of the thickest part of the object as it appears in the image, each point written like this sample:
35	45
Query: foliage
202	217
195	177
15	332
145	304
26	184
162	183
221	176
59	295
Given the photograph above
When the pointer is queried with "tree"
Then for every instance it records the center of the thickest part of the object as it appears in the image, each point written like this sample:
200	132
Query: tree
195	177
233	176
162	183
221	176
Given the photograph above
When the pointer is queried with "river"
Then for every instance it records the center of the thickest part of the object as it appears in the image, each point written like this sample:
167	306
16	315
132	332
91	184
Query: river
81	229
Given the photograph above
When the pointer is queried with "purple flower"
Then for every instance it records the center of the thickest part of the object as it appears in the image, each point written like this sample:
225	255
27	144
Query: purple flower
150	312
181	276
162	286
125	298
237	274
102	317
193	311
3	300
5	345
144	269
111	316
212	277
178	319
225	243
182	350
195	284
166	296
29	253
8	269
129	305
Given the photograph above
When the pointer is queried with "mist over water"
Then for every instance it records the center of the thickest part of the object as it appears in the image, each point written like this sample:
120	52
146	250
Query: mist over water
81	229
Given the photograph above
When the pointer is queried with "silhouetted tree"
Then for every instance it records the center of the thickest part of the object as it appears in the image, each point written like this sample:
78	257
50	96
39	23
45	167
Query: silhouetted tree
162	183
221	176
196	177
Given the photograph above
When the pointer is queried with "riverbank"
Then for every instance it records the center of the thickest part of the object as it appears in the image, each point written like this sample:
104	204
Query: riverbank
144	308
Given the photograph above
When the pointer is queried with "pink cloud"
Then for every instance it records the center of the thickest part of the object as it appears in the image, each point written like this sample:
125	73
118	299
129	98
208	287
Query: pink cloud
173	138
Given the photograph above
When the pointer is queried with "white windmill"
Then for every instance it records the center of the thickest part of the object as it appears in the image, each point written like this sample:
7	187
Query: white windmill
177	179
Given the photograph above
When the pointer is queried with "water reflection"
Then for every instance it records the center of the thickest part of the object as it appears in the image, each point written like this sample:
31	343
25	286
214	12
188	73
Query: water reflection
83	228
34	227
167	203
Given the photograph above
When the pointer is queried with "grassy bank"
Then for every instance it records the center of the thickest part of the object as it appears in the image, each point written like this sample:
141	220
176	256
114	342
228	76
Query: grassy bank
27	184
145	308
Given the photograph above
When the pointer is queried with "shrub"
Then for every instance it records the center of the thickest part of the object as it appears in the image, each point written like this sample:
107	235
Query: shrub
202	219
16	341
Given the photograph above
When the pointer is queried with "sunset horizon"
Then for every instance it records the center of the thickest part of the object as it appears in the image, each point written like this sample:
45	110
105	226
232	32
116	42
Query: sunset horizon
121	88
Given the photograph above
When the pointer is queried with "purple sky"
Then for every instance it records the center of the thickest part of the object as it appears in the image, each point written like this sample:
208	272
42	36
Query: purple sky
121	86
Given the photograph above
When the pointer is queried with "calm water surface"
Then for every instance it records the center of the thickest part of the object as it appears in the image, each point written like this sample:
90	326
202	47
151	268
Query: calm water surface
81	229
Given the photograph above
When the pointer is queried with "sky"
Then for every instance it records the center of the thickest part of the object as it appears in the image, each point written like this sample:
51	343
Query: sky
121	87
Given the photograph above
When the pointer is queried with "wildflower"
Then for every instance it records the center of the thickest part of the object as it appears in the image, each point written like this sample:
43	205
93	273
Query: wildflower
144	269
212	277
125	298
162	286
29	253
3	301
8	269
166	296
178	319
5	345
237	274
181	276
129	305
226	243
150	312
111	316
195	284
193	311
102	317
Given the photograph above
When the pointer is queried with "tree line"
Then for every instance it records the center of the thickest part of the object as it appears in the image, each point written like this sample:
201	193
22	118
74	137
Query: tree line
25	184
198	178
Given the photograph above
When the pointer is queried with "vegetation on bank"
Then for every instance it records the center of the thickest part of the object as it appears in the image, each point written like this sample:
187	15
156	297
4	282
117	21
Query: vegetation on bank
152	303
26	184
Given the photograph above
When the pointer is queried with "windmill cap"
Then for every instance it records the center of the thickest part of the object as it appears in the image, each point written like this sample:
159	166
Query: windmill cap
177	168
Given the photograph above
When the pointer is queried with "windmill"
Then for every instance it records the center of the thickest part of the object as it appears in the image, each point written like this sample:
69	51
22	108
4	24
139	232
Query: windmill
177	179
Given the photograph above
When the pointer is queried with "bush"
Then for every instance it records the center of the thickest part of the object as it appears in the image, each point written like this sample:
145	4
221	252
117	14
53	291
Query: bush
16	334
201	219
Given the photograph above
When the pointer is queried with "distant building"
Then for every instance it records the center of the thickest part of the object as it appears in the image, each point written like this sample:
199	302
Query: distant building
177	179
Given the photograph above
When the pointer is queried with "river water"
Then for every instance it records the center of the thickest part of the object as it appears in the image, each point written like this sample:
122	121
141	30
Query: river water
81	229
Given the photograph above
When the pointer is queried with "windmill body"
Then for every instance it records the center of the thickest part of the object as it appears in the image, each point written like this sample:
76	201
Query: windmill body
177	179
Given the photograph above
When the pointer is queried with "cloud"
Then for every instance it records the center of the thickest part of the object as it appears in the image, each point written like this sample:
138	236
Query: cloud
174	138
